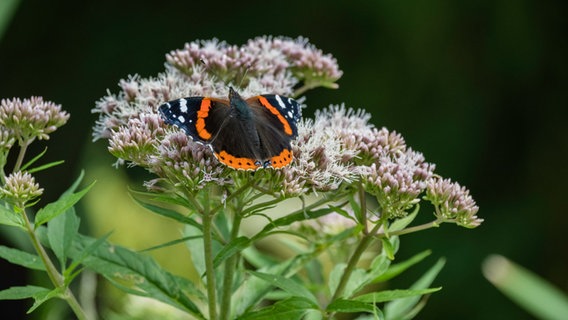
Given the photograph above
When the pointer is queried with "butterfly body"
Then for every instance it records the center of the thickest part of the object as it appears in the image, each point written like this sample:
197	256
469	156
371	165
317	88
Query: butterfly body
243	134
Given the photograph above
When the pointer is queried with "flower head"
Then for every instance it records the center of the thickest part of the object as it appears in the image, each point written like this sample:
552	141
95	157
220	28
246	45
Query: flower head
32	118
20	188
203	68
453	202
206	68
397	180
7	139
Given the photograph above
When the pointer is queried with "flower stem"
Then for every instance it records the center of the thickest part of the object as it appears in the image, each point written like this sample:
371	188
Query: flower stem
55	277
230	266
23	147
208	252
432	224
363	245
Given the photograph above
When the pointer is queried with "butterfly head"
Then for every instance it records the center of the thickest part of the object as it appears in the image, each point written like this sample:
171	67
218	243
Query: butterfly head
239	104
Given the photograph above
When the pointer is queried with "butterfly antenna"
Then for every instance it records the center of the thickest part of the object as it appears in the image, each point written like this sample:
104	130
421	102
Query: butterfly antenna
213	72
240	86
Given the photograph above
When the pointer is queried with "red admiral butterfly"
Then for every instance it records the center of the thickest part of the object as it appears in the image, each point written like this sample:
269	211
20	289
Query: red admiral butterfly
243	134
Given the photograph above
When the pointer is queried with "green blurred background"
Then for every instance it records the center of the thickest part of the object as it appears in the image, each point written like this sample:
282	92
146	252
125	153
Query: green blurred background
480	87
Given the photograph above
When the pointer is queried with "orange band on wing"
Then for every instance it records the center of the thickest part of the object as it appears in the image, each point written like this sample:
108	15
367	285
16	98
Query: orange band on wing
235	162
275	112
281	160
202	114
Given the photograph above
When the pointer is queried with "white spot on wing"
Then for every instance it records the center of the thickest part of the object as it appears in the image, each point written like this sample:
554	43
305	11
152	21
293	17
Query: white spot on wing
280	102
181	119
183	105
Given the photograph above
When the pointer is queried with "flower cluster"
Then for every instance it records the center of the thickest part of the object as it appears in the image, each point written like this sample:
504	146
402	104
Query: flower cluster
23	121
208	67
27	119
336	148
20	188
453	202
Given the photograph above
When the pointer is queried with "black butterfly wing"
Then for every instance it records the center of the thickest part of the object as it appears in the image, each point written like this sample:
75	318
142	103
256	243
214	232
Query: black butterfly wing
201	118
275	118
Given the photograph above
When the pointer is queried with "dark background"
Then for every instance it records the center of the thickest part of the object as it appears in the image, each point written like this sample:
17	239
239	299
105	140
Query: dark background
478	86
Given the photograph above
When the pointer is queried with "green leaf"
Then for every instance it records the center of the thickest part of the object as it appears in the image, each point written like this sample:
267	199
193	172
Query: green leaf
83	255
388	295
230	249
196	249
21	258
45	166
291	218
396	269
388	248
7	10
335	276
33	160
39	294
66	201
75	184
288	285
60	232
401	223
17	293
253	289
350	306
171	243
291	308
400	308
168	213
42	297
134	270
525	288
10	218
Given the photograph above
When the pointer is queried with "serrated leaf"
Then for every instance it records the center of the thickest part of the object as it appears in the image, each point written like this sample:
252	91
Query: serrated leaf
291	308
17	293
66	201
351	306
10	218
60	232
288	285
398	309
134	270
21	258
388	295
83	255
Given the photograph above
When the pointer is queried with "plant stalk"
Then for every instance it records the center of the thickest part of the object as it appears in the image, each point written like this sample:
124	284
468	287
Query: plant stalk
55	277
363	245
21	154
209	267
435	223
230	266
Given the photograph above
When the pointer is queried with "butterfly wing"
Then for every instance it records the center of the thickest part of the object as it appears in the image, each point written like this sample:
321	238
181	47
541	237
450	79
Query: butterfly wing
201	118
275	118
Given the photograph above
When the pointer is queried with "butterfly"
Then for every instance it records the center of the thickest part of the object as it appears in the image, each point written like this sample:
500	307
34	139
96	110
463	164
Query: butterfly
244	134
